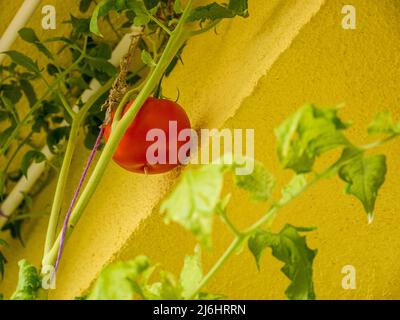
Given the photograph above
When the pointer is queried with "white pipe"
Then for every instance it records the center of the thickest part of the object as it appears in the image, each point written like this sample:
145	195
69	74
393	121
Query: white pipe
20	19
15	198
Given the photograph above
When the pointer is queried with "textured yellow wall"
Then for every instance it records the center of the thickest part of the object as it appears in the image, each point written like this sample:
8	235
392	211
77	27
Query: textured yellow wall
261	71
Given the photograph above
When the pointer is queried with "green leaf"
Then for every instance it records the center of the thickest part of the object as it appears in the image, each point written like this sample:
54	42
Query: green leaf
383	124
150	4
103	66
30	157
104	7
196	197
11	92
30	36
211	12
5	134
215	11
84	5
291	248
194	201
293	188
29	282
260	183
141	20
117	281
55	136
28	91
178	6
21	59
364	177
147	59
191	274
168	288
239	7
306	135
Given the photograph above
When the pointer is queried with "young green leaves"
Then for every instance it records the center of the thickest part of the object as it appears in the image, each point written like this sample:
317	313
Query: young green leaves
291	248
29	282
306	135
312	131
119	281
384	124
142	11
196	197
130	280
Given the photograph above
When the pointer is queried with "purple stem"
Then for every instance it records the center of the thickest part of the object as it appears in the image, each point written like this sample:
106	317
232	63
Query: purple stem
78	189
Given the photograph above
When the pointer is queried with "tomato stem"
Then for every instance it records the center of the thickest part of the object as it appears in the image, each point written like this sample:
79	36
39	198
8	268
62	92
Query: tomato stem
178	37
64	172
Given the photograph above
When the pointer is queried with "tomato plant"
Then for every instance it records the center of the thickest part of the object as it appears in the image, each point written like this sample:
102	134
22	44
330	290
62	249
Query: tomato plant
157	114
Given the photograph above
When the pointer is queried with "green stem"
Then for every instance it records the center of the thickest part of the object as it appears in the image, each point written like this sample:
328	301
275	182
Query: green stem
158	22
266	219
233	247
61	185
64	172
178	38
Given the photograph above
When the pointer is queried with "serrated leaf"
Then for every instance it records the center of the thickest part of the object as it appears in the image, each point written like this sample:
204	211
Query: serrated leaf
291	248
211	12
306	135
23	60
192	273
29	282
117	281
364	177
383	124
260	183
215	11
30	157
194	200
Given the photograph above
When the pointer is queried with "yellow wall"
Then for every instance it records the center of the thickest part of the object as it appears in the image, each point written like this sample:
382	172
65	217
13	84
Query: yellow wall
262	69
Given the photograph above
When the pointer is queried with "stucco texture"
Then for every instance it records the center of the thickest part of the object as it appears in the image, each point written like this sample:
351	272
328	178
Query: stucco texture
253	74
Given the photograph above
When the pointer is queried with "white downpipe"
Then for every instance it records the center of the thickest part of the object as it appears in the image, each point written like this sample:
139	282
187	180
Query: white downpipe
19	21
24	185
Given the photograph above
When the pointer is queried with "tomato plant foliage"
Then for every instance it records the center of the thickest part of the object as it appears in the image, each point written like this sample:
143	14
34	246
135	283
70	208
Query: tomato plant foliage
302	138
165	26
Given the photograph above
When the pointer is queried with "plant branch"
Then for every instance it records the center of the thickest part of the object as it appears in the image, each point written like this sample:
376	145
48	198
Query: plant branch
64	172
178	37
269	217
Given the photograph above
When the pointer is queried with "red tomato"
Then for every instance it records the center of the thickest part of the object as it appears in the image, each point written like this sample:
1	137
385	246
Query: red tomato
154	114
